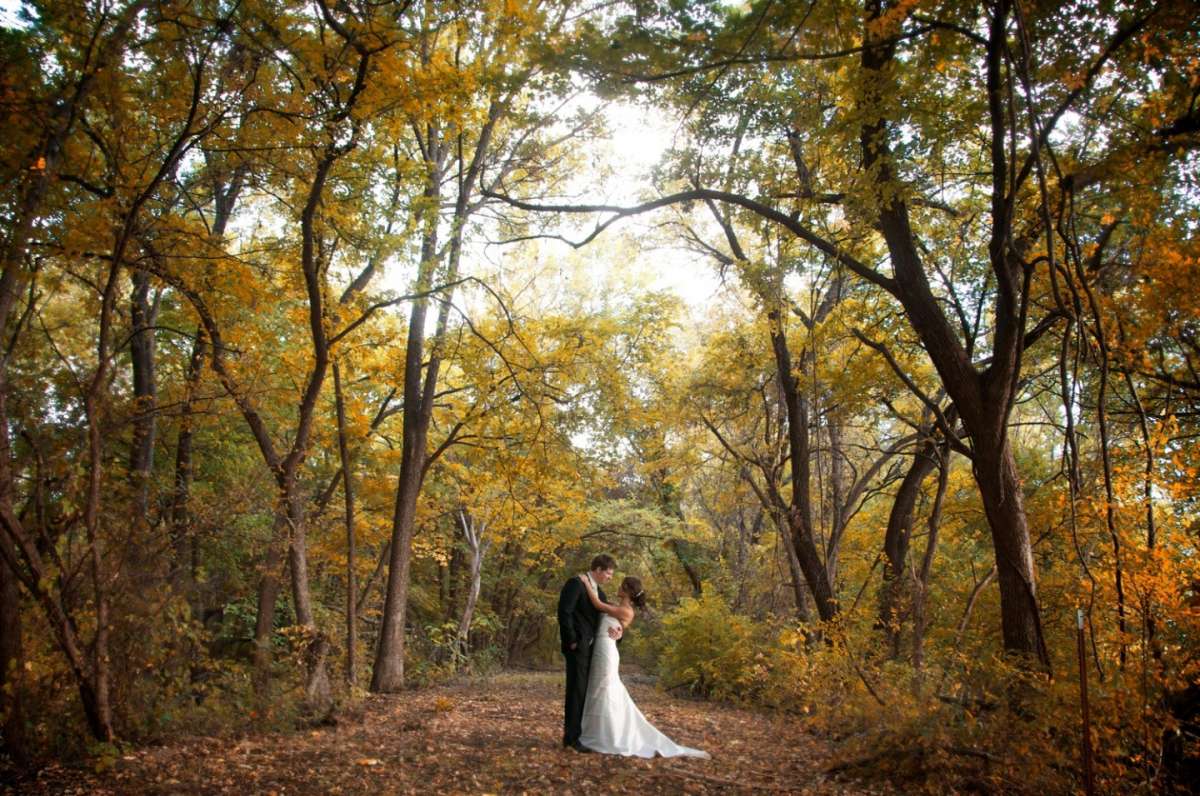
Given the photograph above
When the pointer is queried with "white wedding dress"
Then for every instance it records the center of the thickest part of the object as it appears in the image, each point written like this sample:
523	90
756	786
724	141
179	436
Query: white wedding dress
612	724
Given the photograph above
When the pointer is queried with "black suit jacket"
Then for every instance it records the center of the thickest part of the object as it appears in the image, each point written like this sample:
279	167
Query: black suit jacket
577	617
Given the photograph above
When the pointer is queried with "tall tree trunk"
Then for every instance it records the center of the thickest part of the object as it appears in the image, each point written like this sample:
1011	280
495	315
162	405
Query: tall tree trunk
837	496
419	392
12	660
342	130
1004	505
289	529
95	400
12	653
318	691
800	522
143	315
800	540
896	541
473	532
19	556
921	577
290	520
183	543
351	552
389	663
985	399
268	592
317	688
388	674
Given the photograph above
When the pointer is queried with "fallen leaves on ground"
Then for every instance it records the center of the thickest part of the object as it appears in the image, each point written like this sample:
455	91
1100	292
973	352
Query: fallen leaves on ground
496	735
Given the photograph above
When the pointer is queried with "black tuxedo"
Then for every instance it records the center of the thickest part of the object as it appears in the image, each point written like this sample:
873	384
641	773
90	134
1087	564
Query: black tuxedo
577	623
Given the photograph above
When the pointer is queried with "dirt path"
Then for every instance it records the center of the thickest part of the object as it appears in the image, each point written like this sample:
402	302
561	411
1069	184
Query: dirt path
499	735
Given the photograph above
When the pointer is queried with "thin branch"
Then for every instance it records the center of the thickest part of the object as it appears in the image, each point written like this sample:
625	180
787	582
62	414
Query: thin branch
700	194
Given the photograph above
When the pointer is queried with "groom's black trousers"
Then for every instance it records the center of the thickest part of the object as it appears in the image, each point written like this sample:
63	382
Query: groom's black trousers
579	663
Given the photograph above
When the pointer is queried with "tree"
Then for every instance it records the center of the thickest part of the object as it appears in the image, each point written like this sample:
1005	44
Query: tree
884	188
498	79
91	88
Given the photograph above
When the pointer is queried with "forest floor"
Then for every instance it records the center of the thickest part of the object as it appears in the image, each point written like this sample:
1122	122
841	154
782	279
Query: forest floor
495	735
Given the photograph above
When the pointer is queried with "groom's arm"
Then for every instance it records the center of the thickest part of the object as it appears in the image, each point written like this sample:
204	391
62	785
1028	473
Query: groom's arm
615	633
568	598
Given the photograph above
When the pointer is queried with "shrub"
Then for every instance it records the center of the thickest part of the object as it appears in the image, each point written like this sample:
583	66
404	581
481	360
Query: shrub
711	651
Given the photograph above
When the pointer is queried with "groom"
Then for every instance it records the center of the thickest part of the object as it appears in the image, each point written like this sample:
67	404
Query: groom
577	623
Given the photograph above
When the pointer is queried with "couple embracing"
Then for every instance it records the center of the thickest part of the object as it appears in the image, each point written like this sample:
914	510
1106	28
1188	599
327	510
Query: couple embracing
600	715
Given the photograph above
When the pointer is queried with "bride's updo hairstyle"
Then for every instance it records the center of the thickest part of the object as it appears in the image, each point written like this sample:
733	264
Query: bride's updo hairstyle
633	587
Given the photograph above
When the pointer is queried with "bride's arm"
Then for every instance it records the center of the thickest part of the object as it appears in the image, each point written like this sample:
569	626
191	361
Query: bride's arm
595	598
622	614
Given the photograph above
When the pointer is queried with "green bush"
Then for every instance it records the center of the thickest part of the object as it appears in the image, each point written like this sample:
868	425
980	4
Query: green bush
711	651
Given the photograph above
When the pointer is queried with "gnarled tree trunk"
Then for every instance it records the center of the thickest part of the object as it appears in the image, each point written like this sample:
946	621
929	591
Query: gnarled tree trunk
983	399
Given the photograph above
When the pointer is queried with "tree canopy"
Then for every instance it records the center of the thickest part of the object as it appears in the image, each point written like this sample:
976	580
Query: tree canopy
328	355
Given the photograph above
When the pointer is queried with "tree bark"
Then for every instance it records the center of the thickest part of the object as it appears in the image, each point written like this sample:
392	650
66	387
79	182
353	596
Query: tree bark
388	674
143	316
318	691
290	517
838	508
12	660
1004	505
921	577
896	540
290	514
800	543
800	511
473	532
677	547
183	543
267	594
419	392
351	563
18	553
985	399
94	411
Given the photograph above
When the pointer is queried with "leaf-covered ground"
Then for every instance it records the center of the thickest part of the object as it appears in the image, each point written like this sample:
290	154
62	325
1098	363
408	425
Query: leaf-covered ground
499	735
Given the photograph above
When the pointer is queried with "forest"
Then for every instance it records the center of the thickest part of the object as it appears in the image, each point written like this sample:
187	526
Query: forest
338	334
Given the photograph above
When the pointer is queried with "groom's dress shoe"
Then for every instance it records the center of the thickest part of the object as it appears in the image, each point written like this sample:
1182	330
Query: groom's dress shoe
578	747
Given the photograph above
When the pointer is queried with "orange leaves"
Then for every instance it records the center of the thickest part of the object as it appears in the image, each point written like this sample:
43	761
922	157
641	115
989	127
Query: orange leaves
1075	80
888	24
500	738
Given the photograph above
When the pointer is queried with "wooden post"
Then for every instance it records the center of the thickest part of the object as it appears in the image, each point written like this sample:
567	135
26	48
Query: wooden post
1088	781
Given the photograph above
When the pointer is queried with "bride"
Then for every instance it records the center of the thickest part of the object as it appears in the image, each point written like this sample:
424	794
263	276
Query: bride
611	722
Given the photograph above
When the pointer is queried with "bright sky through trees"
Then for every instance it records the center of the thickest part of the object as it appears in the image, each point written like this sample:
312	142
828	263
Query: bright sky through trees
8	12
